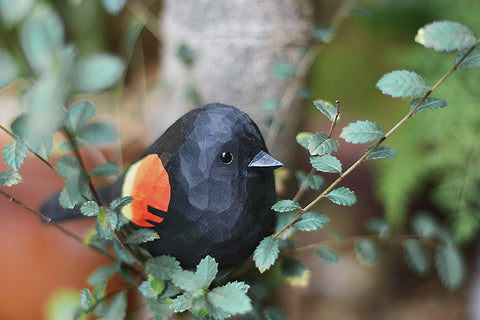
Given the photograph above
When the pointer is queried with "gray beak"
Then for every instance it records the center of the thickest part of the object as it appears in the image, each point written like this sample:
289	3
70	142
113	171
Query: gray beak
264	161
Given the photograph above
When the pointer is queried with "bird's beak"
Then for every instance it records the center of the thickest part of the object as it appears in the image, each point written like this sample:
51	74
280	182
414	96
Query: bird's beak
264	161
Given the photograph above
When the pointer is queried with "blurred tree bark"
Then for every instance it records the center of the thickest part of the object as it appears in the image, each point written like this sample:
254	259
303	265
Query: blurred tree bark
224	51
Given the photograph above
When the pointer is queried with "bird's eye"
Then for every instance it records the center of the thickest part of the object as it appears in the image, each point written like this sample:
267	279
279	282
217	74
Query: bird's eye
226	157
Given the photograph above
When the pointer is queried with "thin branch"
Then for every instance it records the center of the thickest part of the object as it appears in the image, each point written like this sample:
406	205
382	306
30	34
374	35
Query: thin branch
57	226
375	145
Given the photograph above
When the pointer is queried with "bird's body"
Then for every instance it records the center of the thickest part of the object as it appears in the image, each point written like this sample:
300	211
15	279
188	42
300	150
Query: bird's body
206	186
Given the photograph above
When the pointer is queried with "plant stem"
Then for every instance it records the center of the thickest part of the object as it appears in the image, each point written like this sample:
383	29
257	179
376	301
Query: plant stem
376	144
52	223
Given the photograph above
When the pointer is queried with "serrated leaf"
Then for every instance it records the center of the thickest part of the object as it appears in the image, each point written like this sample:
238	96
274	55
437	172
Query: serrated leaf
66	200
324	33
14	11
231	298
112	218
327	255
302	139
450	265
366	251
182	302
362	132
188	280
266	253
102	274
99	133
90	209
10	178
159	307
117	309
14	153
207	269
424	225
381	152
314	181
284	70
320	144
472	60
273	313
326	163
142	235
342	196
113	6
402	84
428	104
446	36
286	206
105	170
158	286
42	147
85	300
416	257
117	204
122	253
311	221
9	67
98	72
163	267
79	115
327	108
378	225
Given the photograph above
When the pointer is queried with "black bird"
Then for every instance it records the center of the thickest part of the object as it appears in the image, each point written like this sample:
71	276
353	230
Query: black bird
206	186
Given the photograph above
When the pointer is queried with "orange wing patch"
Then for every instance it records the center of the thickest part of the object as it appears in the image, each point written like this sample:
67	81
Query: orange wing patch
147	182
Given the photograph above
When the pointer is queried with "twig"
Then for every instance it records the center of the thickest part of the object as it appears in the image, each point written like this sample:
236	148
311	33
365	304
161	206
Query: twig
52	223
375	145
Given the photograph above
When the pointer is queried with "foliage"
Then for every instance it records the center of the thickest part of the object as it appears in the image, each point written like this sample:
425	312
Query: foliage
53	75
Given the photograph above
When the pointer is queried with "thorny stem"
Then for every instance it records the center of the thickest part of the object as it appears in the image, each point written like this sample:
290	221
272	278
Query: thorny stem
303	67
57	226
376	144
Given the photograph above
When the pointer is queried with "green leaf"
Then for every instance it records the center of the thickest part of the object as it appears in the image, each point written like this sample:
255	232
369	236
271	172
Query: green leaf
324	33
286	206
402	84
117	204
472	60
416	257
428	104
311	221
79	115
99	133
342	196
381	152
207	269
113	6
378	225
273	313
13	12
106	170
85	300
303	138
231	298
293	268
102	274
43	147
182	302
366	251
98	72
159	307
10	178
8	65
450	265
327	255
362	132
326	163
90	209
446	36
314	181
122	253
266	253
146	289
163	267
320	144
117	309
284	70
14	153
424	225
158	286
66	200
327	108
142	235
